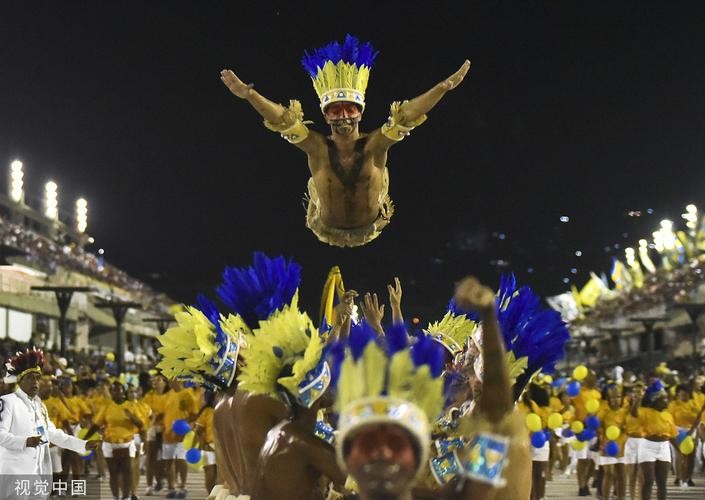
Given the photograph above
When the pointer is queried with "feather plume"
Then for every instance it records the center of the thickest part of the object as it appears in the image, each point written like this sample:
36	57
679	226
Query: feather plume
258	291
351	52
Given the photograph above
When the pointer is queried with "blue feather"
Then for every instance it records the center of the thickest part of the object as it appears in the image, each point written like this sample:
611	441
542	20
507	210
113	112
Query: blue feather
351	51
396	339
529	330
360	335
427	351
257	291
456	310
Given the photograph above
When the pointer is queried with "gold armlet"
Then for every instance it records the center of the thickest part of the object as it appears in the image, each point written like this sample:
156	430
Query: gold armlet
291	125
393	129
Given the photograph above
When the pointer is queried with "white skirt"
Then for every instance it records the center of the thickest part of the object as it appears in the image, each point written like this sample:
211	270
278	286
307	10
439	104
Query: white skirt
654	451
632	446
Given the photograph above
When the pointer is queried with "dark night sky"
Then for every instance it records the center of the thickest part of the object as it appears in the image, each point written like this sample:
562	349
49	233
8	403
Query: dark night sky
585	109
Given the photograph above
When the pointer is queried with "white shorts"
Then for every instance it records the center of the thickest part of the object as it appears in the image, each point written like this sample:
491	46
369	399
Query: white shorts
151	433
631	450
610	460
654	451
173	451
109	447
585	453
540	454
55	454
208	458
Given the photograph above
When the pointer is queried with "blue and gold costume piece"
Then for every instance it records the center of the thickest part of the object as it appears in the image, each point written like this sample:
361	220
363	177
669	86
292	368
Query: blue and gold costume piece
205	345
340	72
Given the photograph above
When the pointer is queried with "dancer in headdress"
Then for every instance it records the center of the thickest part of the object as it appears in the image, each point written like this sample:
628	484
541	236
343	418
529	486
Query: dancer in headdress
390	390
534	339
348	199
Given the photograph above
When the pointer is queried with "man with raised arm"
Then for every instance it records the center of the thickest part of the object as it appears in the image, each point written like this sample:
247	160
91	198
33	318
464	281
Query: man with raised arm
348	200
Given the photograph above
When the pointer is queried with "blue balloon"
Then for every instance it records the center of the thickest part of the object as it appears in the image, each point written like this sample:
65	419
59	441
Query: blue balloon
567	432
538	439
592	422
573	389
586	435
612	449
180	427
89	456
558	382
193	455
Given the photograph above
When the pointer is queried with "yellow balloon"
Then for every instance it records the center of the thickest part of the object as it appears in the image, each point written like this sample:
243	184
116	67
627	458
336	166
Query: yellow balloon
612	432
555	420
592	405
547	379
687	446
190	441
580	372
579	445
110	356
533	422
577	427
81	434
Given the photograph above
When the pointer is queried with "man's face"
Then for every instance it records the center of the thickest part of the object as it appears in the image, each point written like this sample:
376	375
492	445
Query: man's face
382	459
342	117
30	383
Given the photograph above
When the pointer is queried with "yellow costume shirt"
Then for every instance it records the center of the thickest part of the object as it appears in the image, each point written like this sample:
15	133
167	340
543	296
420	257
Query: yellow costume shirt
618	418
205	420
684	412
57	411
118	427
177	405
657	423
581	399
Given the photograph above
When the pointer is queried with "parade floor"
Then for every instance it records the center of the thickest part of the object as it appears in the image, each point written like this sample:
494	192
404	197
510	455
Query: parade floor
566	488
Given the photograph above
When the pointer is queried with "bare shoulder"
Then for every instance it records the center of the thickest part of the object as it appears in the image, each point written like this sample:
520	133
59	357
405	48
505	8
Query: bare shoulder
314	144
377	143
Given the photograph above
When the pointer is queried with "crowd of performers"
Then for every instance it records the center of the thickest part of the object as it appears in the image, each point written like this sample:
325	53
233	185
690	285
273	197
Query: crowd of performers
624	433
140	426
271	405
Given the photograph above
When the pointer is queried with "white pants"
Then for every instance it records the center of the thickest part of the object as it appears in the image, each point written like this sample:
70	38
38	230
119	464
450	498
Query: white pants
55	454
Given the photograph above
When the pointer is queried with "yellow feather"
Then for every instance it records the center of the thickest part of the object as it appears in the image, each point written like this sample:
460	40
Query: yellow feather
401	368
374	371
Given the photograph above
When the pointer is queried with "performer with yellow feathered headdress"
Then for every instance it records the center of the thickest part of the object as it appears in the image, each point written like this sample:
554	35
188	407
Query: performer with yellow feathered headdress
348	200
390	390
534	339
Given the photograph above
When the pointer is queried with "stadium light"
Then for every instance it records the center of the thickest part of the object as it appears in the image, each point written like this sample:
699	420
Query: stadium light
51	203
16	181
81	215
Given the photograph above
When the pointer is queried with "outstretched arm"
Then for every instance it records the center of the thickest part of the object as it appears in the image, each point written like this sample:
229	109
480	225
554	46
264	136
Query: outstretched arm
270	111
287	121
413	110
404	117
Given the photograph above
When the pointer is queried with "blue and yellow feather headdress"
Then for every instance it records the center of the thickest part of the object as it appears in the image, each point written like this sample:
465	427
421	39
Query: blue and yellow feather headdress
205	345
387	380
340	72
284	355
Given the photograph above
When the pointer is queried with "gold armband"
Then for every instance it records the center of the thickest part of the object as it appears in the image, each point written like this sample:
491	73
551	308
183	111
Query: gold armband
291	126
393	129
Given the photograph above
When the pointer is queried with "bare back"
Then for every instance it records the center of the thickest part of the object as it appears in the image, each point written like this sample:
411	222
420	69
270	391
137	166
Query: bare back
287	465
241	424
